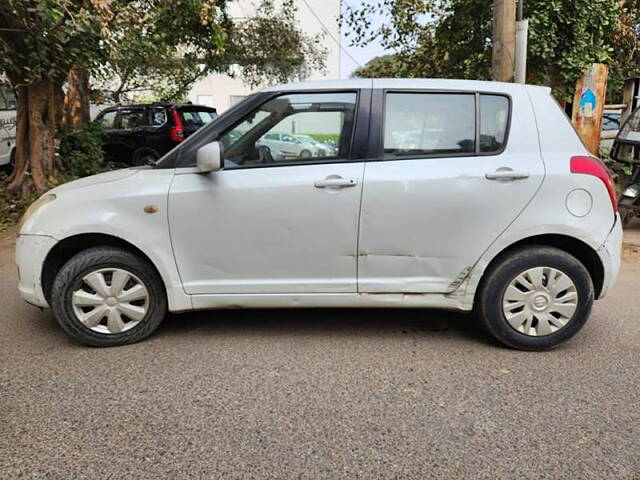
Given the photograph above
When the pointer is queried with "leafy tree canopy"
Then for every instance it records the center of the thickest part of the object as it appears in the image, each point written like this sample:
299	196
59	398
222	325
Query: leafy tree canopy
142	43
178	45
452	39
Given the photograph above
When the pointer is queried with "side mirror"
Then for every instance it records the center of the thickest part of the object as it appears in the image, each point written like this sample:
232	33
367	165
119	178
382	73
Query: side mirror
209	157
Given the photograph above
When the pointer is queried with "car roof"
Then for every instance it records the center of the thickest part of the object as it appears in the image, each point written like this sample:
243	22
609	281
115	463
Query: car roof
158	104
403	83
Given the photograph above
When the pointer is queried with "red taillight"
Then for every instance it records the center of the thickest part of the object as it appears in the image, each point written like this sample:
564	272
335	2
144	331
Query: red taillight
594	166
177	131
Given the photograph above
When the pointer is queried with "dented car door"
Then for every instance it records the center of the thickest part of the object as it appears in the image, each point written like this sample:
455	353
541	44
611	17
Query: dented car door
448	177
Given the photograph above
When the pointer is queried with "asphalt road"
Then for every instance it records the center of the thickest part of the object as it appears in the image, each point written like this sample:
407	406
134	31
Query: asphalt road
319	394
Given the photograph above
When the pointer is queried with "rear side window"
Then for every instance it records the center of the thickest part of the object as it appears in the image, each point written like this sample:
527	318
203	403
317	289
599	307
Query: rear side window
444	124
197	118
419	124
158	116
494	118
130	119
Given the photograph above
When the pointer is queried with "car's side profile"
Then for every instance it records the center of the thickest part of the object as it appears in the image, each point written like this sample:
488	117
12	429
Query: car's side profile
450	194
292	145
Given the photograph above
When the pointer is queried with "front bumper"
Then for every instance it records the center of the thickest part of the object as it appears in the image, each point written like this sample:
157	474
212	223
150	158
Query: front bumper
31	251
610	253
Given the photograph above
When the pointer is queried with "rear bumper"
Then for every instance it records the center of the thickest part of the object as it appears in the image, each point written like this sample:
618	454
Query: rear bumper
31	251
610	253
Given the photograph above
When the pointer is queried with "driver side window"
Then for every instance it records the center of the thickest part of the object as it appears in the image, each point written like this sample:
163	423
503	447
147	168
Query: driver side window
291	129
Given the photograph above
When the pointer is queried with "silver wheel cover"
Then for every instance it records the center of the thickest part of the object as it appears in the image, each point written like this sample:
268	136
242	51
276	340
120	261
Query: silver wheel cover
540	301
110	301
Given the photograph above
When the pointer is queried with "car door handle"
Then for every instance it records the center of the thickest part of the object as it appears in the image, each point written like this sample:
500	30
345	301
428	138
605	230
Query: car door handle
506	175
335	183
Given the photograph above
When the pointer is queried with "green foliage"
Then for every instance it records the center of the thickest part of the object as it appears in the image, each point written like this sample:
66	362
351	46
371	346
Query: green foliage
452	39
43	39
184	40
384	66
79	153
566	36
12	208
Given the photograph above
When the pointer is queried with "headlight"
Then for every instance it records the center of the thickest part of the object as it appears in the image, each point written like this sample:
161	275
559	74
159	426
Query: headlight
33	208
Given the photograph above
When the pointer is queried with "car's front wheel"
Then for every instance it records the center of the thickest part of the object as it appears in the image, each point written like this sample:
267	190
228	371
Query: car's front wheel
107	296
535	298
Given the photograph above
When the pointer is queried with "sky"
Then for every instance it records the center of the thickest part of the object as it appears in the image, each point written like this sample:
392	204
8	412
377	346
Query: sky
361	55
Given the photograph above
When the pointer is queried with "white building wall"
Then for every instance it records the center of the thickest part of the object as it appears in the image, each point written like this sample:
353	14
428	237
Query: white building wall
222	91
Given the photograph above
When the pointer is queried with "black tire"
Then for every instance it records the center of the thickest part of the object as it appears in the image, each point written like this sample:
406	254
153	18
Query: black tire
626	211
10	167
145	157
305	154
69	278
499	276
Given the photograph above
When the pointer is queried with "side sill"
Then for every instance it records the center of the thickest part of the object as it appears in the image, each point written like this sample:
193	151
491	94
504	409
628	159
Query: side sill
327	300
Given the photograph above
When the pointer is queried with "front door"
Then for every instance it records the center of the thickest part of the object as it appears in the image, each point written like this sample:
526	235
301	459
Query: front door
267	224
447	183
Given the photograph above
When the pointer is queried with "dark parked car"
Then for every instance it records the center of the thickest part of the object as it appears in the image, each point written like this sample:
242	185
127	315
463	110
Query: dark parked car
141	134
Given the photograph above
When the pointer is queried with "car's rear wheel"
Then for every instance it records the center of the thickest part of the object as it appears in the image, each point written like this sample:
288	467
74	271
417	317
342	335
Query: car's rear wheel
535	298
305	154
107	296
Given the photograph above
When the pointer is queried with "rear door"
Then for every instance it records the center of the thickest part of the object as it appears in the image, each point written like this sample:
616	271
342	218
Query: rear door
451	171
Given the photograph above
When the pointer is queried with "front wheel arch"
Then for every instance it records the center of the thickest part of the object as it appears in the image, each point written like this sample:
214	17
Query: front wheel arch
69	247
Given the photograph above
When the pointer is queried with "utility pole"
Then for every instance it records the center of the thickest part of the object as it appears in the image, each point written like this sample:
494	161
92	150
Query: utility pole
504	39
522	32
588	105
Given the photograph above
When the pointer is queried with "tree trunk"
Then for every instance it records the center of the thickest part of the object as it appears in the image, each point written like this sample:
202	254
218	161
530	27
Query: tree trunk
35	139
76	102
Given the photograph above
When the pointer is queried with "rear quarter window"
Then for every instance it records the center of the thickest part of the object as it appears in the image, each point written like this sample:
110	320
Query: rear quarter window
494	120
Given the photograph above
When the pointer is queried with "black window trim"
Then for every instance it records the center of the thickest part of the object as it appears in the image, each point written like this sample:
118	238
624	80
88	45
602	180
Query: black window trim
359	131
376	144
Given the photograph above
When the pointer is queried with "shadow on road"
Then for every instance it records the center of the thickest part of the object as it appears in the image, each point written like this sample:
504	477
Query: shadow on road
333	322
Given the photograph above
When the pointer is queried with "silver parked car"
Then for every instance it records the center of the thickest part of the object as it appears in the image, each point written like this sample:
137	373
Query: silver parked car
463	195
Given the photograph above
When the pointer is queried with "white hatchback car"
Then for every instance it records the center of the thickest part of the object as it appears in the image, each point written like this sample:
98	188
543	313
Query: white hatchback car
292	146
493	206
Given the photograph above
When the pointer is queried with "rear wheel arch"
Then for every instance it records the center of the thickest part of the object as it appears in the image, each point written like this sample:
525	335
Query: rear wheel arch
580	250
67	248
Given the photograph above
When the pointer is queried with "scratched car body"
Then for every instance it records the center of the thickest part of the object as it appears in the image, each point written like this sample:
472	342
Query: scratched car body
461	195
